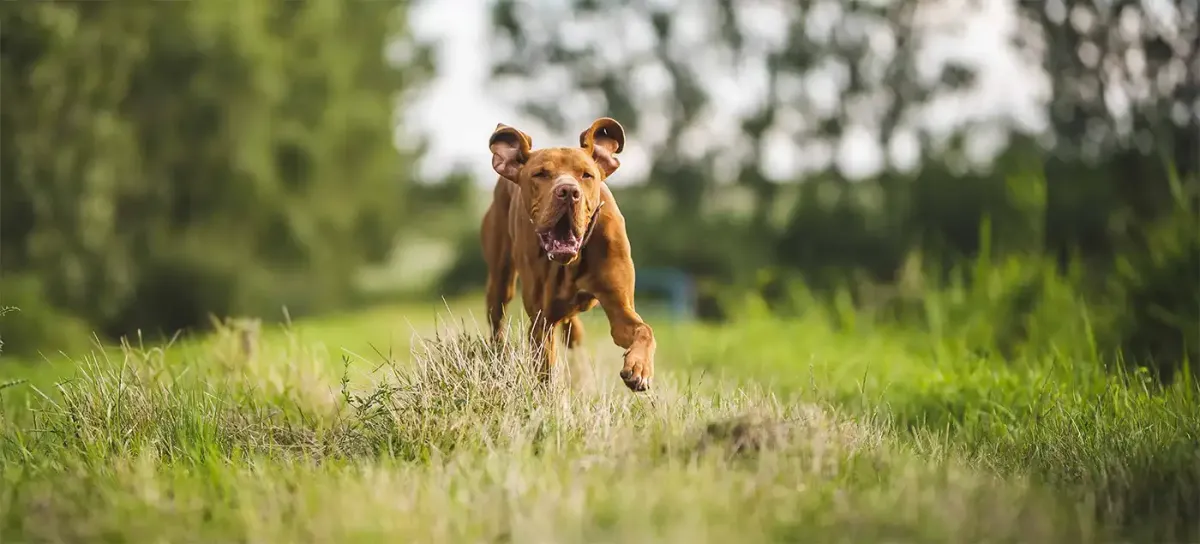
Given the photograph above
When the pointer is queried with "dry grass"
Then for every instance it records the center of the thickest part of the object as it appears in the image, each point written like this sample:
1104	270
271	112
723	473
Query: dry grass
457	444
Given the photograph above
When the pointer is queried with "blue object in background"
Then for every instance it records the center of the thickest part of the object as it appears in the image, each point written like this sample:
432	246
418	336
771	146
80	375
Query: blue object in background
675	283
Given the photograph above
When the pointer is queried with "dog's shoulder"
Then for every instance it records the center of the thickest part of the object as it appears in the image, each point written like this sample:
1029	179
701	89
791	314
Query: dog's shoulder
610	240
611	217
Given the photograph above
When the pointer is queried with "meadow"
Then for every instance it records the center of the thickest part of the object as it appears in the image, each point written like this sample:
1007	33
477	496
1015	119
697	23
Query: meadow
400	424
986	330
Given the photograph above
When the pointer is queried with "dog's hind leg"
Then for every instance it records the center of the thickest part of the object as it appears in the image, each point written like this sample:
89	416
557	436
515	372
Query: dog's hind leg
579	369
502	275
501	286
572	332
572	327
541	339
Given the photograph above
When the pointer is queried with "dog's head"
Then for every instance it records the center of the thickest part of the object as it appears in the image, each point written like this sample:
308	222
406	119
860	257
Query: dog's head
560	185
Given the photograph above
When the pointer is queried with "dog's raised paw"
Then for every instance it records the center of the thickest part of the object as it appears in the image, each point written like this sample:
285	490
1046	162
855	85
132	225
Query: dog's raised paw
635	382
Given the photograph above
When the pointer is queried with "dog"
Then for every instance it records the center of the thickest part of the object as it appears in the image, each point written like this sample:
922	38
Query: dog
554	223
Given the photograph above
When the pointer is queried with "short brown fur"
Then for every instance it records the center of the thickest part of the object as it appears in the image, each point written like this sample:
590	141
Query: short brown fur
563	186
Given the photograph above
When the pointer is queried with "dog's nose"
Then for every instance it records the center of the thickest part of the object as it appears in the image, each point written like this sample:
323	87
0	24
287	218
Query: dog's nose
568	192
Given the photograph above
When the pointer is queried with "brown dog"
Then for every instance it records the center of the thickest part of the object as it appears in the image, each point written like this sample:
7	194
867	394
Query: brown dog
554	223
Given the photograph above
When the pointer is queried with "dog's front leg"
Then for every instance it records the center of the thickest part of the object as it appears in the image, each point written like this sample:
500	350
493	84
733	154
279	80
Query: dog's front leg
628	329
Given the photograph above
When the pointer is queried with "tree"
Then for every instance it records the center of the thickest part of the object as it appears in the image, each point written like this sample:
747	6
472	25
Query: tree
166	161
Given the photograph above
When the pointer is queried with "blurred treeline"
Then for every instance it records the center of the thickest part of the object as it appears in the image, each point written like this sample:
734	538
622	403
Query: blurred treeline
168	161
1084	230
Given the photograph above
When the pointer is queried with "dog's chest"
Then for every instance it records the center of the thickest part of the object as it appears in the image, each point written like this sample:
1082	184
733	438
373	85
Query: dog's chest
558	288
563	291
567	279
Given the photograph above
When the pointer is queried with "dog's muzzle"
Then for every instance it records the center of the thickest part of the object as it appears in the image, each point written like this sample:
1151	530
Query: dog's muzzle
559	239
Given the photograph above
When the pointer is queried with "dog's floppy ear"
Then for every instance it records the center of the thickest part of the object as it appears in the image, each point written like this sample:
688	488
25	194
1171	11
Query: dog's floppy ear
510	149
604	139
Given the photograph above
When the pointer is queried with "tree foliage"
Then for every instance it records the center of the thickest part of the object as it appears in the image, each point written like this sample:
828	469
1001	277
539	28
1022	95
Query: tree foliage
1101	170
164	161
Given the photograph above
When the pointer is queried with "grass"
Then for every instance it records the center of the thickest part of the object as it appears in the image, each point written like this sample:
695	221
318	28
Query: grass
389	426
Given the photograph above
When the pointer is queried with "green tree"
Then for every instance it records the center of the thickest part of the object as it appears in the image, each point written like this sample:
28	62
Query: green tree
164	161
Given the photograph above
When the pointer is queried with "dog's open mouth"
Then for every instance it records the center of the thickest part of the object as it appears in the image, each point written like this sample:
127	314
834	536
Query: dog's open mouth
560	241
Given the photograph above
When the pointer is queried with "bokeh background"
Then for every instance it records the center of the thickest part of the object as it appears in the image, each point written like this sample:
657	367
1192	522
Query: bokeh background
997	172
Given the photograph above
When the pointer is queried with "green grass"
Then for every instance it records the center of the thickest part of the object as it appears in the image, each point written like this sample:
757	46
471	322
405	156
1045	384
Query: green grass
389	426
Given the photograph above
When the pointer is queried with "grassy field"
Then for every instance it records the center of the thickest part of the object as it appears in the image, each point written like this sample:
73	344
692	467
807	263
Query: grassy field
392	425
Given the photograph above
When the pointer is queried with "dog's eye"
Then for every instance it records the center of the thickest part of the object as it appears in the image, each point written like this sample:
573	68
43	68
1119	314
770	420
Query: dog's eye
541	174
587	175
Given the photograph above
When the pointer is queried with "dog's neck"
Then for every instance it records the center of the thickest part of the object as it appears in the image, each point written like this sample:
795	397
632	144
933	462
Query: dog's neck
591	226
